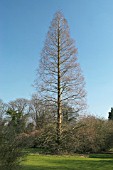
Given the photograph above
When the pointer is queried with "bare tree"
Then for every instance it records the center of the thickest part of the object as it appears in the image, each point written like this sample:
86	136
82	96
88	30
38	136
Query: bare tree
60	78
3	108
19	105
40	111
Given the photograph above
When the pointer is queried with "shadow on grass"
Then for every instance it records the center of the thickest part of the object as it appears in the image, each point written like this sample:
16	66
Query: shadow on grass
72	165
101	155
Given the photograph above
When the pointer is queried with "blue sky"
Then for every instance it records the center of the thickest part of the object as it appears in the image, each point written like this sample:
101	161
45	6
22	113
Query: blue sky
23	27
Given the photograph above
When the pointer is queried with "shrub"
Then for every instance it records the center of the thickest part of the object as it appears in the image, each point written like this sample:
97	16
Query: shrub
11	148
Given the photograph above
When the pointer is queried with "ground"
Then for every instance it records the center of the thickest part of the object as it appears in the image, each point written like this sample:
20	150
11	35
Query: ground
68	162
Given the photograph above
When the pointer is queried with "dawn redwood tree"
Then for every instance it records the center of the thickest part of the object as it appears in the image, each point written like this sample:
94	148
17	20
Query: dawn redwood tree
59	77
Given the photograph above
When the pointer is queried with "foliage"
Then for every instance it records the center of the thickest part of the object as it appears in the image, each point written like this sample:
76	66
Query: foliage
18	120
110	117
93	135
86	135
11	147
82	135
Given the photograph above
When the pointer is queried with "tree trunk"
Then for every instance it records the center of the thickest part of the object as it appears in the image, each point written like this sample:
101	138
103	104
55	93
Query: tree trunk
59	112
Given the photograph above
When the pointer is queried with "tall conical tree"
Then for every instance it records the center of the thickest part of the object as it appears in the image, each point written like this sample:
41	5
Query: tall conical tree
60	79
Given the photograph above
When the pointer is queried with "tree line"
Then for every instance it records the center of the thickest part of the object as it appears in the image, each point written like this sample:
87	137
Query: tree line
36	121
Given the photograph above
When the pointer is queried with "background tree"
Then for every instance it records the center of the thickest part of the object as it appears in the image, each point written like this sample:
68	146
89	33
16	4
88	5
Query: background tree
3	108
41	111
110	116
89	135
19	105
18	113
69	114
60	79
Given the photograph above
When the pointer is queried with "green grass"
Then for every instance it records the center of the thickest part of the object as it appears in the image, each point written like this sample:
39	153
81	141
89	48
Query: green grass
50	162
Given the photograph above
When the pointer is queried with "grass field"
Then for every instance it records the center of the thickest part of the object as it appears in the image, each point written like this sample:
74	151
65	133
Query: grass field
49	162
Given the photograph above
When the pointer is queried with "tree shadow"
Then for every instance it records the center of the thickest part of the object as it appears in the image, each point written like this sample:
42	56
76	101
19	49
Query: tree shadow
103	156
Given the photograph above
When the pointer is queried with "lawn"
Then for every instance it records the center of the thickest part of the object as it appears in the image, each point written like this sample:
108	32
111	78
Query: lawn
50	162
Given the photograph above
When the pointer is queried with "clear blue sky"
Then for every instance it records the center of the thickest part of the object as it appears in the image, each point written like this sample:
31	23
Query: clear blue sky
23	27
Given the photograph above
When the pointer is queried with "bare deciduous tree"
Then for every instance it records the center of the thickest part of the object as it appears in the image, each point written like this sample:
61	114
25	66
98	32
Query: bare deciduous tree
19	105
40	111
60	78
3	108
